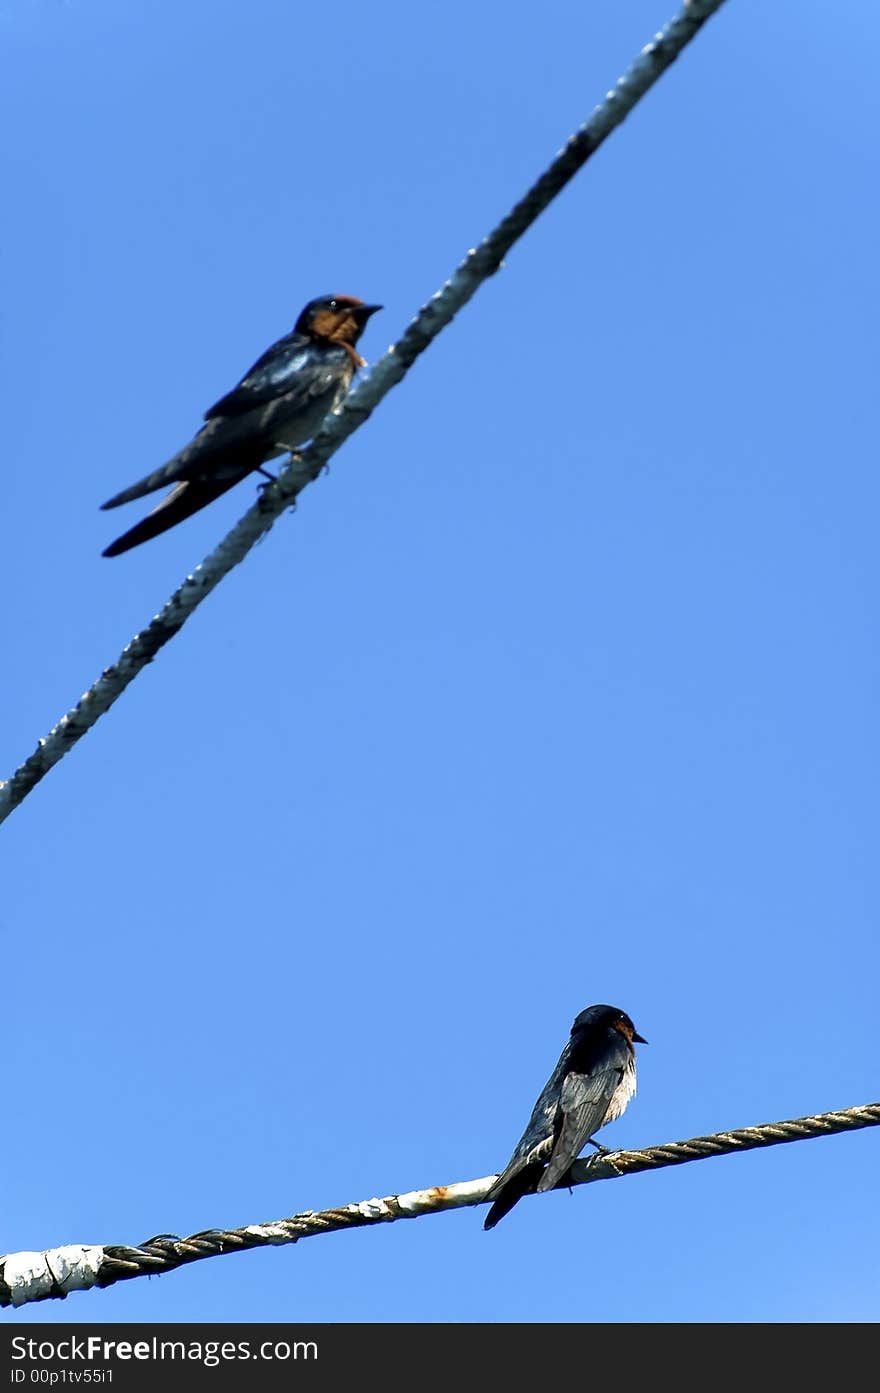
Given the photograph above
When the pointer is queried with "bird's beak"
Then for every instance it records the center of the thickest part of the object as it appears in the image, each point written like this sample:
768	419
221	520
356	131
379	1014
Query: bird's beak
364	311
641	1039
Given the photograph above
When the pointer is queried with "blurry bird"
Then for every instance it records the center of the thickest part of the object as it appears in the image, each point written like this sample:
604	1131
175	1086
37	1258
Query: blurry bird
277	406
594	1079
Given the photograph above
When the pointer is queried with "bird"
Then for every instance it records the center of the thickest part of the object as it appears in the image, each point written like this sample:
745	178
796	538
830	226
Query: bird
278	405
594	1079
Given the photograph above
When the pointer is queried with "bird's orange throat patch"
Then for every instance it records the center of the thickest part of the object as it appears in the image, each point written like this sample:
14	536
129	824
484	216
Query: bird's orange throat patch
335	326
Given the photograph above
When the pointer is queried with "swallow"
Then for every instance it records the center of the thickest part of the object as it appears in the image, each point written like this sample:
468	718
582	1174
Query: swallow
278	405
594	1079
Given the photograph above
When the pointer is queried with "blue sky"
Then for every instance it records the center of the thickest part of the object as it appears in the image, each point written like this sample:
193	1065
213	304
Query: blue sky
560	687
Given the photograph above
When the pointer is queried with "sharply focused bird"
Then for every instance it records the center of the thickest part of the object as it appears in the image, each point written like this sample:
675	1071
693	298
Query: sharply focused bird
278	405
594	1079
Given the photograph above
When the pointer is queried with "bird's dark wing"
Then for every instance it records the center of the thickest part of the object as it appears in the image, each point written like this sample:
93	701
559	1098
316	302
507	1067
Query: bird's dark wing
587	1102
206	452
532	1151
273	375
229	446
185	498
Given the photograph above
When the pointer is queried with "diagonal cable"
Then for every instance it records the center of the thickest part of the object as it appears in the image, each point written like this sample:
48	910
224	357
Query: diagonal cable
304	467
26	1277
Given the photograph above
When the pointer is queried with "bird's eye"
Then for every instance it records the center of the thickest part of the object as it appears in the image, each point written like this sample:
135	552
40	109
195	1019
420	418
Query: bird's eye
332	305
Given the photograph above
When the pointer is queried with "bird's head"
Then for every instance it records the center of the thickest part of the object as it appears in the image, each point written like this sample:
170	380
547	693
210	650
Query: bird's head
336	319
609	1017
